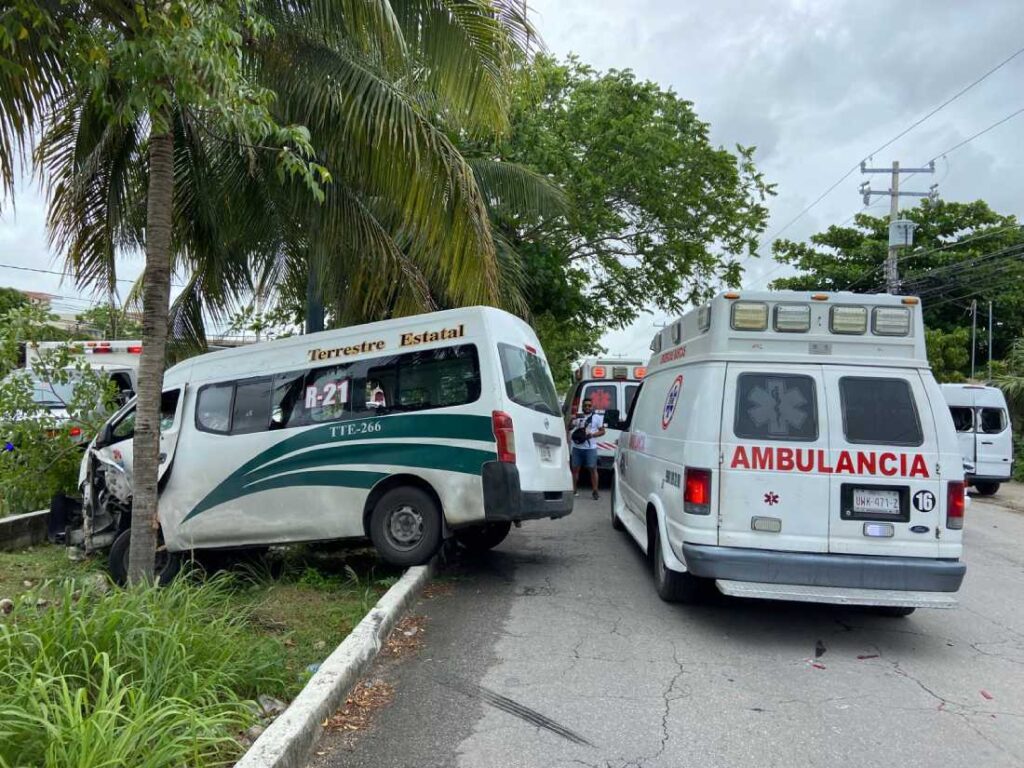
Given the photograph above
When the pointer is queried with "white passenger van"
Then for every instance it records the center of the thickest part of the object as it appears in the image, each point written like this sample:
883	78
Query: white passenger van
795	446
983	428
404	431
610	384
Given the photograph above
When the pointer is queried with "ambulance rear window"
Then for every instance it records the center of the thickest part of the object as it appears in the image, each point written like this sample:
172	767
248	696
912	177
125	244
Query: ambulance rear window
774	406
879	411
963	418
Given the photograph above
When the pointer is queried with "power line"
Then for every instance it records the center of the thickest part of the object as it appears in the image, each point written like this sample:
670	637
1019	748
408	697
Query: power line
64	274
772	238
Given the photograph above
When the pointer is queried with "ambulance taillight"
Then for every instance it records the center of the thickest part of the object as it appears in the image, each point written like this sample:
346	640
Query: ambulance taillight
697	491
955	505
504	435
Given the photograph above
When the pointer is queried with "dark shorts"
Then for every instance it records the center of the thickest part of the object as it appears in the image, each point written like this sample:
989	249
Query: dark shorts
584	457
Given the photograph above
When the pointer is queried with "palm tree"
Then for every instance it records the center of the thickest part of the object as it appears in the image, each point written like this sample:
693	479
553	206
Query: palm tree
189	157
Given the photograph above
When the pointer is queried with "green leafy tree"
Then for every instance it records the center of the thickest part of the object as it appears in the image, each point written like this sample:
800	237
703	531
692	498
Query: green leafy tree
657	214
962	252
948	353
11	298
111	322
45	413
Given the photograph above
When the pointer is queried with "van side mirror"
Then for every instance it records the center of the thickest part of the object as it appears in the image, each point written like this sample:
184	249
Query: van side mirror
125	395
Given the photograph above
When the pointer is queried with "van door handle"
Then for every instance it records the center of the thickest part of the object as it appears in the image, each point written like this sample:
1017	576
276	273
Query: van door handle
986	442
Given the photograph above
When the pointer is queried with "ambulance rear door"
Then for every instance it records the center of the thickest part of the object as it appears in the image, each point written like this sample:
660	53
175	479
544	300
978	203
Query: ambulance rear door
886	496
775	439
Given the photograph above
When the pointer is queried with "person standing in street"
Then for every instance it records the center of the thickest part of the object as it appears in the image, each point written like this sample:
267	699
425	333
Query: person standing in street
583	431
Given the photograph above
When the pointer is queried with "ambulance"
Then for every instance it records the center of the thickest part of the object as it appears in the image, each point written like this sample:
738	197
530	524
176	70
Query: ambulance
406	432
610	384
795	446
982	424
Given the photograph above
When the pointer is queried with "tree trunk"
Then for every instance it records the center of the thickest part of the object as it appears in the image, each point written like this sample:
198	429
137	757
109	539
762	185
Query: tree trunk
156	295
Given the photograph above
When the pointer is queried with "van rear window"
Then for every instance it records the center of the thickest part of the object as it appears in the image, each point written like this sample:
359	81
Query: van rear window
993	420
879	411
527	379
773	406
602	396
963	418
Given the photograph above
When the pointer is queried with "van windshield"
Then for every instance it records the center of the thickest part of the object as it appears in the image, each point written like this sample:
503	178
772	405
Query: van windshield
527	379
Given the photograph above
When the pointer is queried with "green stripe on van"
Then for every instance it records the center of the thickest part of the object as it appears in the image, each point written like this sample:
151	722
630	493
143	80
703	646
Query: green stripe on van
256	474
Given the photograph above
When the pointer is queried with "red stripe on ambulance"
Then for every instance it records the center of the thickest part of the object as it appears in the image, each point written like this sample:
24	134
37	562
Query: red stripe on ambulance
817	460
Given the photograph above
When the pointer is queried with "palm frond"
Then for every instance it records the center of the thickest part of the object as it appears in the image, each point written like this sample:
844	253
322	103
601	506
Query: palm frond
518	190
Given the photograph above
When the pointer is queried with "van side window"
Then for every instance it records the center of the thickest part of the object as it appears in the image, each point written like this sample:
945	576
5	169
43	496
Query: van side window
250	411
774	406
213	408
992	421
963	418
879	411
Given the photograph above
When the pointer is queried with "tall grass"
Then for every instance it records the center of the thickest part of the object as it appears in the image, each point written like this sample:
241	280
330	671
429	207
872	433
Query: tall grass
141	677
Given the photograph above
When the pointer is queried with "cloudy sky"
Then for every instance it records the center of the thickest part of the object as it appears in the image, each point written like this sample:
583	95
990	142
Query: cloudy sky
816	86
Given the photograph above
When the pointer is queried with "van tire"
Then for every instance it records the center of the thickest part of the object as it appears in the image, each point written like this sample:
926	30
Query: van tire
481	538
405	526
672	586
617	524
168	564
986	489
894	612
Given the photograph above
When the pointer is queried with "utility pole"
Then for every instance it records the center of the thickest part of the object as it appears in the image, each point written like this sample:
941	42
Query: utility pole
990	341
974	332
901	233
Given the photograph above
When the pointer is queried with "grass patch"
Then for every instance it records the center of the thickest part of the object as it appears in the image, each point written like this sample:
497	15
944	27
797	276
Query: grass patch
94	676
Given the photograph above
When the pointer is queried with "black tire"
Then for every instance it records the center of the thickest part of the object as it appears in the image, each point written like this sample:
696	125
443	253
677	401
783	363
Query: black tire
481	538
405	527
986	489
893	612
672	586
168	564
617	524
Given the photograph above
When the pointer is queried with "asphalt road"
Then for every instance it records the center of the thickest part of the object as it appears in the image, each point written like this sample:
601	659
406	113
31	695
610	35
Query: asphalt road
556	651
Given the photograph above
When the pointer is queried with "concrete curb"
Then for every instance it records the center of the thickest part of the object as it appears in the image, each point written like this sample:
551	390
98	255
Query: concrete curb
20	531
289	740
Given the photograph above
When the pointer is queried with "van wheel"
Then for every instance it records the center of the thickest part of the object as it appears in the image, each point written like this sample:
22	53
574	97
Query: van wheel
168	564
893	612
617	524
405	527
986	489
672	586
481	538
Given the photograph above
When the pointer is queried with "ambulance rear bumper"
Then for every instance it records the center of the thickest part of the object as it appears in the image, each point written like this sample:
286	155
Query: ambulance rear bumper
812	569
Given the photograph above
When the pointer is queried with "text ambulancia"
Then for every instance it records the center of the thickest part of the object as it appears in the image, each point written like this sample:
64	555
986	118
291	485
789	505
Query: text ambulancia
795	446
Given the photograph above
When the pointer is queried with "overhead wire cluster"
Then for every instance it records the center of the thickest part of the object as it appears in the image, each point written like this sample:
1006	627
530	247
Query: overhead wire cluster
769	240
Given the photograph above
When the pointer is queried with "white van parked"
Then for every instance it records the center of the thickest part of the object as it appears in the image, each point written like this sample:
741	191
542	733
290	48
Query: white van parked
982	424
610	384
795	446
404	431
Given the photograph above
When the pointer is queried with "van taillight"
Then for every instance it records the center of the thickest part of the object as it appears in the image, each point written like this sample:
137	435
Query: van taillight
955	505
75	432
505	435
575	406
697	491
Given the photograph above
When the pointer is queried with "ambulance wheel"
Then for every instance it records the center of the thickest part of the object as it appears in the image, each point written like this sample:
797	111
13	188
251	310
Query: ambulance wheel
672	586
617	524
986	489
405	527
168	564
894	612
481	538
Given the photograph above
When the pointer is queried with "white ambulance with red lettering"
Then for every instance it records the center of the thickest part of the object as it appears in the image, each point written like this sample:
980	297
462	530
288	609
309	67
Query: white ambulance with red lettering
610	384
795	446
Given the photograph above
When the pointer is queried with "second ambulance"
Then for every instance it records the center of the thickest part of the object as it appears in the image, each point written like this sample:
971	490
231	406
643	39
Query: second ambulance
795	446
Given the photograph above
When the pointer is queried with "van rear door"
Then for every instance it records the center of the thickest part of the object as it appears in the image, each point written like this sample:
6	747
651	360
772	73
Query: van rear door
886	496
773	493
994	441
542	453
